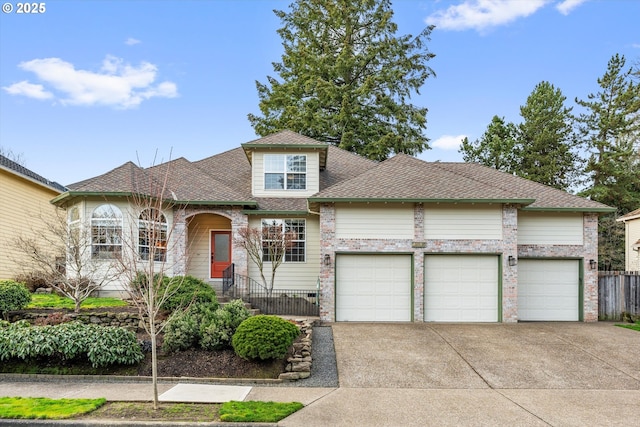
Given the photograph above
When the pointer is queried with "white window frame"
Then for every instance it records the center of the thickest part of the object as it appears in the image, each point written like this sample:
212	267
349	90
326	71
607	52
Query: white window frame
298	243
106	233
158	231
285	170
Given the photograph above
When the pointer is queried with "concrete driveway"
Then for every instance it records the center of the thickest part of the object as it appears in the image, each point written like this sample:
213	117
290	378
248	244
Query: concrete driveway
560	374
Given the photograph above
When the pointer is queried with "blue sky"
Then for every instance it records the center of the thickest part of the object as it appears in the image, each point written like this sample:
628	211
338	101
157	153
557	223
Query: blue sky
89	85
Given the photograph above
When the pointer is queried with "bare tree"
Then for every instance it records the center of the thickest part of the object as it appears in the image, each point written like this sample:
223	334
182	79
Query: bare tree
153	250
61	253
267	245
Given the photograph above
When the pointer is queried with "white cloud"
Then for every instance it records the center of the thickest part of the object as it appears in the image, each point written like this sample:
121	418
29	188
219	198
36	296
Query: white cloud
636	45
131	41
448	142
116	84
565	7
483	14
28	89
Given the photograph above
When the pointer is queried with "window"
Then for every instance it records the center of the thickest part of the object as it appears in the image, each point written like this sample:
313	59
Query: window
106	232
285	172
291	235
74	236
152	235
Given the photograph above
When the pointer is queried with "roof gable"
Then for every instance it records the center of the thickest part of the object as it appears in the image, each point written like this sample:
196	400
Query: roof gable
287	140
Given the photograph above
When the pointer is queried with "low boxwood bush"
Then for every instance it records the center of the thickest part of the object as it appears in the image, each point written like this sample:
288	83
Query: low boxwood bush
101	345
186	290
13	296
204	326
264	337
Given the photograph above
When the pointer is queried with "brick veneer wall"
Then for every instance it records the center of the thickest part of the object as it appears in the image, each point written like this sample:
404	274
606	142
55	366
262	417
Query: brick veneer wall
419	247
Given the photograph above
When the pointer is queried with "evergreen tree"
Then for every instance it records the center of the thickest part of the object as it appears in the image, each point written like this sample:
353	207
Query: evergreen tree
494	148
545	151
609	129
346	79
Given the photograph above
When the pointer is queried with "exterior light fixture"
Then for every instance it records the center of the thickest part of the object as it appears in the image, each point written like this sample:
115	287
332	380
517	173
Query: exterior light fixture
593	264
327	259
512	261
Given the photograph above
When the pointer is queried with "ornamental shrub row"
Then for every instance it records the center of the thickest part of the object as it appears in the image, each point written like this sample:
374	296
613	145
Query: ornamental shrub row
204	325
13	296
182	291
101	345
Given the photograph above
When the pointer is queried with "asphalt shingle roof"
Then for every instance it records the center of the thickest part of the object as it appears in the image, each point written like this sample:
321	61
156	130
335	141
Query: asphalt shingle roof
17	168
226	178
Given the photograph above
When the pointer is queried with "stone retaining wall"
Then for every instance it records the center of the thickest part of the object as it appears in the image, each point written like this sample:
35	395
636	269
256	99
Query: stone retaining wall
130	321
299	364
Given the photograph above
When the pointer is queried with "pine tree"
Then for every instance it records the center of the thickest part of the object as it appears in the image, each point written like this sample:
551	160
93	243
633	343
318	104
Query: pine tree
494	148
545	150
346	78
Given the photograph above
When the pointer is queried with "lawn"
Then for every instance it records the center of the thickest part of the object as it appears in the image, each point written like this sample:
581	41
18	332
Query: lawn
44	408
55	301
634	326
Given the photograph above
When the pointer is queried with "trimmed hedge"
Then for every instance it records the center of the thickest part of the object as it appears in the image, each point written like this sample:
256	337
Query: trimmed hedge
264	337
13	296
186	290
101	345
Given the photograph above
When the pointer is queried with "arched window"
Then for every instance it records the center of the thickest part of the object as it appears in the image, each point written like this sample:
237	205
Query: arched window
152	235
106	232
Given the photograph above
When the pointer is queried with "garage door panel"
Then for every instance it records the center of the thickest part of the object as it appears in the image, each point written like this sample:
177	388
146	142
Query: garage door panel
461	288
548	290
373	288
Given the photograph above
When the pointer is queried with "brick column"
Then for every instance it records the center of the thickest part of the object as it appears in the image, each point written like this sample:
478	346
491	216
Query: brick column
418	263
327	272
590	279
509	274
179	245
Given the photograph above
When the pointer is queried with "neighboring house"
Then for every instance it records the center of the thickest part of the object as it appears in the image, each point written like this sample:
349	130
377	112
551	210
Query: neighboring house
399	240
631	240
24	200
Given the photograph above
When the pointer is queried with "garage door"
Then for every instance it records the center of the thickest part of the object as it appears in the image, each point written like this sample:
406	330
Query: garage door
373	288
548	289
461	288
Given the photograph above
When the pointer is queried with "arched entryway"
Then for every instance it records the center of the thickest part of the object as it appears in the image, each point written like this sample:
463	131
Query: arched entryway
210	245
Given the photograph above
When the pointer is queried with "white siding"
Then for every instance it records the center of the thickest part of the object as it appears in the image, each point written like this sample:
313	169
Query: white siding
294	275
313	176
463	221
541	228
374	221
632	229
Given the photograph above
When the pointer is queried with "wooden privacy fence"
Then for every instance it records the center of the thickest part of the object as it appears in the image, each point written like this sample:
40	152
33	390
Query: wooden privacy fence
618	295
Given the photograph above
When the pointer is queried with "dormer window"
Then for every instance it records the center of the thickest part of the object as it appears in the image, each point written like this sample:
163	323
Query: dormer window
285	172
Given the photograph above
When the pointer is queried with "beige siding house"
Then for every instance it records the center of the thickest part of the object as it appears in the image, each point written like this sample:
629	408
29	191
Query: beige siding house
24	197
399	240
631	240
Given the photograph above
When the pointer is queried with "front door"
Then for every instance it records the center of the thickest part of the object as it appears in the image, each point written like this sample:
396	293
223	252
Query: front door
220	252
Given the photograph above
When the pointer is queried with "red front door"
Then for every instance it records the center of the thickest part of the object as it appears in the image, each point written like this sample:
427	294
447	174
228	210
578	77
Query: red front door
220	252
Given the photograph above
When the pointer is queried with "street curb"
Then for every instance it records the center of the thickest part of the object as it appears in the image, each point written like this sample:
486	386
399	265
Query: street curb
134	379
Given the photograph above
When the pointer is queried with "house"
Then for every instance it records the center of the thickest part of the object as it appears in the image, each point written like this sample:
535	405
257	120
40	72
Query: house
631	240
399	240
25	197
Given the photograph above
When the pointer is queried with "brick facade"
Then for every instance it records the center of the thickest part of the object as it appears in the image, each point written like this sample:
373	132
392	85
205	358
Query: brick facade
419	247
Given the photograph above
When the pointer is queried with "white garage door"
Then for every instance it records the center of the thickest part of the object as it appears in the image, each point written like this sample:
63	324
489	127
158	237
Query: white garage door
548	289
373	288
461	288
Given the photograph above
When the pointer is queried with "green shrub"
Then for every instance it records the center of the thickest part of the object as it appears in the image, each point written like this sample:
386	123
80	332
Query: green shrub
264	337
101	345
183	330
186	290
13	296
217	334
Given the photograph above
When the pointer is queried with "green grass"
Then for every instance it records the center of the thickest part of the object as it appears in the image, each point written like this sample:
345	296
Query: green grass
634	326
43	408
55	301
257	412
